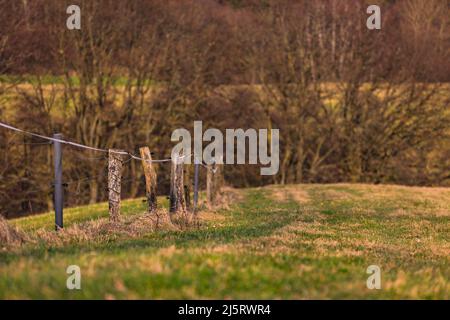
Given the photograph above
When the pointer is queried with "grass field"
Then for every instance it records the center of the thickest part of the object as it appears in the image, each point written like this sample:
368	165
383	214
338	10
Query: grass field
291	242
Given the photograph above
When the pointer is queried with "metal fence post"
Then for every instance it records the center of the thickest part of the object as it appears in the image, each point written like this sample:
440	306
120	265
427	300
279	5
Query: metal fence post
59	194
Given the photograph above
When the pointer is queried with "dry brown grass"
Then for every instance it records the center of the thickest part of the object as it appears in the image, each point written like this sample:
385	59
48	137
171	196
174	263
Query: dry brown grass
212	214
102	229
383	191
226	197
417	201
294	192
10	236
134	226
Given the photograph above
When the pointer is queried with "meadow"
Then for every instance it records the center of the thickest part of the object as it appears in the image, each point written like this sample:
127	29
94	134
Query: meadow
277	242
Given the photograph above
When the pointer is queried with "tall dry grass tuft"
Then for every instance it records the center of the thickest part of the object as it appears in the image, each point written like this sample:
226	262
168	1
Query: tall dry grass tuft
9	236
226	197
103	229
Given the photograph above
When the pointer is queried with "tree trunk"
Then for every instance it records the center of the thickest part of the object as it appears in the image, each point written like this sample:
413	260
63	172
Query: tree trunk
134	187
93	191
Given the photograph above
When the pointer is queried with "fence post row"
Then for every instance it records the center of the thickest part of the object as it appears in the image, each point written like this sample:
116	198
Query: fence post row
58	196
179	193
115	164
150	179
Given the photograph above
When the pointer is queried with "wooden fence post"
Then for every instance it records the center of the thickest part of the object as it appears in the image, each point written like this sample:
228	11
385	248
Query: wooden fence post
210	184
187	187
177	201
214	182
187	196
150	179
115	165
196	169
219	178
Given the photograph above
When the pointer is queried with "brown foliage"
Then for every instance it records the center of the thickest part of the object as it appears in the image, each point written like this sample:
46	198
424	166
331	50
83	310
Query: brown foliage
351	104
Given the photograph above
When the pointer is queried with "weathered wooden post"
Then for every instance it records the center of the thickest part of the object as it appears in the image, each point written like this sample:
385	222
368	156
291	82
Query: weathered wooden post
214	182
114	182
219	178
177	201
210	194
58	196
196	167
150	179
187	187
187	197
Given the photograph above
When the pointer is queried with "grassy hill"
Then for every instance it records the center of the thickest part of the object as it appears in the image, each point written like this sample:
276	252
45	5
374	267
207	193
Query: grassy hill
294	242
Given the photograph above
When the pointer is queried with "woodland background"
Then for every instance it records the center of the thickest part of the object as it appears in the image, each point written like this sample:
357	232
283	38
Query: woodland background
351	104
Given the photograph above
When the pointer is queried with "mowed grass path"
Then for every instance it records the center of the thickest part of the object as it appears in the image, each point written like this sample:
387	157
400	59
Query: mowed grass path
291	242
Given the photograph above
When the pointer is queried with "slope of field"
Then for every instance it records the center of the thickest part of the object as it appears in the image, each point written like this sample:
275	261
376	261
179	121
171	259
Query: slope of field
295	242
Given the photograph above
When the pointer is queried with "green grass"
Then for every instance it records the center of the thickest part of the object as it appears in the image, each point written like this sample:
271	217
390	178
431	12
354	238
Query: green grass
293	242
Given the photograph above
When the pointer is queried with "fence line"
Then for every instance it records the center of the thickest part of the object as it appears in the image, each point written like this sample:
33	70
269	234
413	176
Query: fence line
179	192
79	145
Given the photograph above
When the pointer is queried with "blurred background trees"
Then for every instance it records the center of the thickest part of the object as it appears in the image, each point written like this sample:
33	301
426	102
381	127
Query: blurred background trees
351	104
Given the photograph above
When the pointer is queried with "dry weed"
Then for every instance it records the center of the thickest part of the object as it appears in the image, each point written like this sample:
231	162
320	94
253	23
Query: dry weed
10	236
